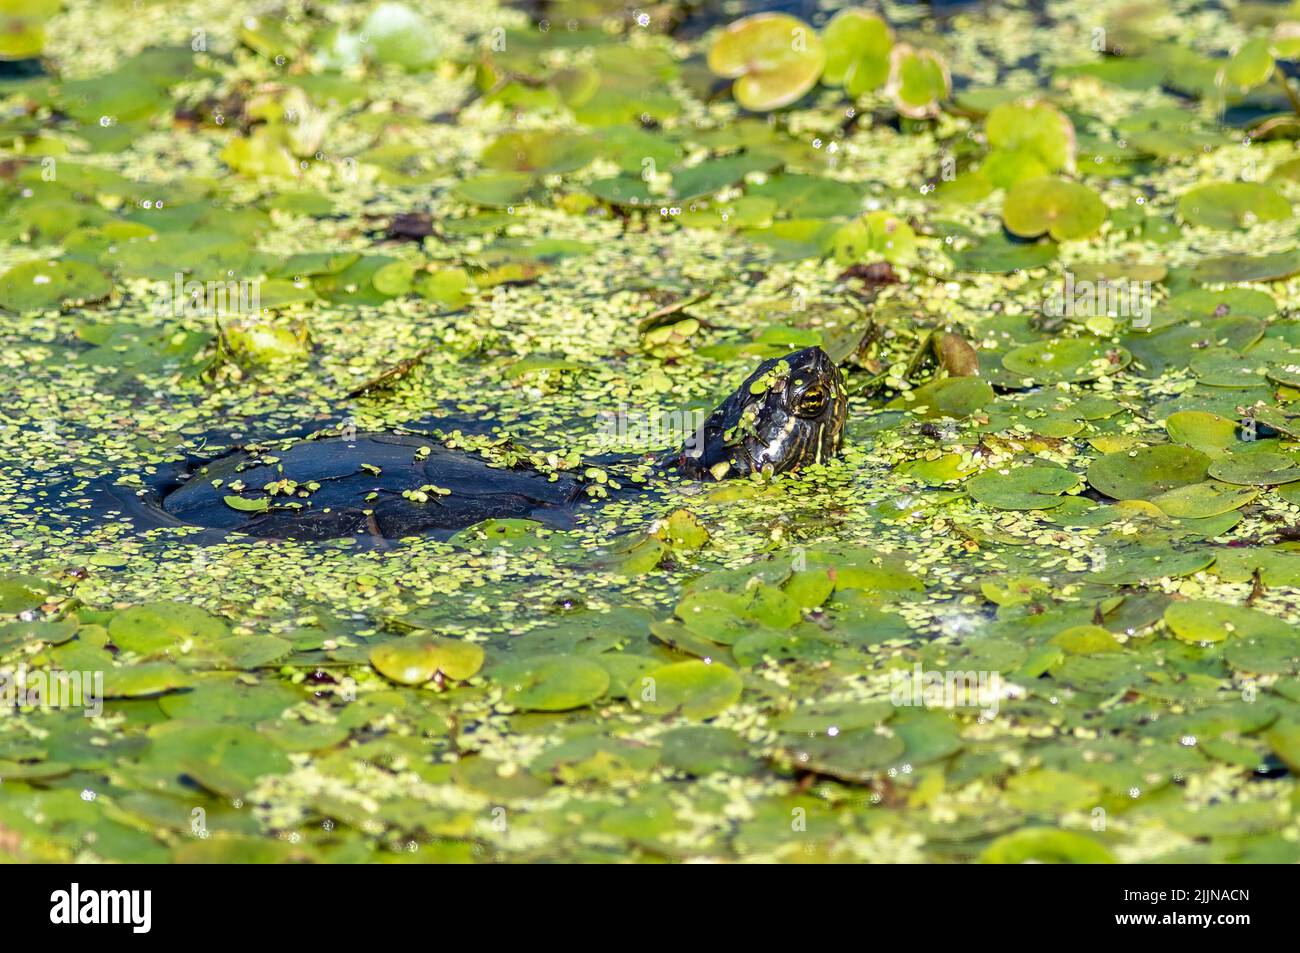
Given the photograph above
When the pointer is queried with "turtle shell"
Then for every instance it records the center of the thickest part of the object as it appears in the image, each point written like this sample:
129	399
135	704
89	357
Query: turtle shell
373	484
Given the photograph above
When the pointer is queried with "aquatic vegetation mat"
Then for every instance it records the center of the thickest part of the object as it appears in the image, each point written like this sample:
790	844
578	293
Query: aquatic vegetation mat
1042	606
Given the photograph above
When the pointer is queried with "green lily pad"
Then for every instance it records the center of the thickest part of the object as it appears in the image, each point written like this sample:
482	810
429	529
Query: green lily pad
1067	359
156	626
144	680
808	196
1251	65
918	81
1022	488
1053	792
625	190
1143	564
450	287
1065	210
415	660
706	749
540	153
235	699
1033	128
21	593
1287	374
45	285
996	255
255	505
774	58
1264	654
251	651
47	631
1202	303
264	343
967	188
1232	205
1147	472
693	689
1046	846
1224	367
712	175
1086	640
875	235
955	397
858	44
1237	269
1203	500
399	35
1003	168
1284	739
551	682
1258	468
834	717
1209	433
1204	620
33	771
23	36
856	757
717	616
227	759
496	189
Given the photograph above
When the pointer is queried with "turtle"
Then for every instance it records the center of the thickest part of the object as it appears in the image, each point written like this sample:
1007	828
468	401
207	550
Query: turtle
788	413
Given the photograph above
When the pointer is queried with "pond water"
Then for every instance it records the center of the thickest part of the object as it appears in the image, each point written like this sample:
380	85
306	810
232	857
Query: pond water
1041	606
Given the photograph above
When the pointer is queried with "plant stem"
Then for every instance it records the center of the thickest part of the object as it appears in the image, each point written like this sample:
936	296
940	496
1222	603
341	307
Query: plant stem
1286	88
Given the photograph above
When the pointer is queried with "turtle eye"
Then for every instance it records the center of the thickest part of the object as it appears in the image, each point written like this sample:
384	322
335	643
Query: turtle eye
811	402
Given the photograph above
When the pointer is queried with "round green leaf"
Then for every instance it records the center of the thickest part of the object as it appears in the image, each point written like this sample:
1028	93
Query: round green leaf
875	235
1022	488
1033	129
1068	359
996	255
858	44
44	285
1065	210
1143	564
1042	845
856	756
541	152
552	682
1251	64
1147	472
398	35
1201	430
143	681
1256	468
1224	367
1236	269
156	626
21	593
496	189
1203	500
416	659
1233	205
1048	791
918	81
693	689
774	58
1207	620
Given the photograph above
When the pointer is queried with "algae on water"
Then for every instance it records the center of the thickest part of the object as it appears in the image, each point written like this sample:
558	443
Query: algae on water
1042	606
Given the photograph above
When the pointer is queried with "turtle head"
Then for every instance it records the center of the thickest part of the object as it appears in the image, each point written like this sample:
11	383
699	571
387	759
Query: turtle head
788	413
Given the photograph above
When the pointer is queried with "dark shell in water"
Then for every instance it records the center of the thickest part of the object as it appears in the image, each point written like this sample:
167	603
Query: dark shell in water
334	486
788	413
